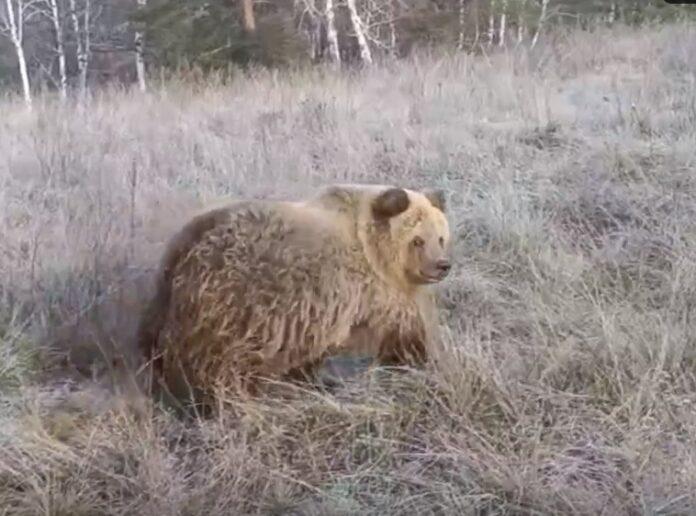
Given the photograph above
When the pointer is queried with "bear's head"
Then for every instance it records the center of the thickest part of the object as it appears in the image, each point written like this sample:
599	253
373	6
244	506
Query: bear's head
404	233
407	235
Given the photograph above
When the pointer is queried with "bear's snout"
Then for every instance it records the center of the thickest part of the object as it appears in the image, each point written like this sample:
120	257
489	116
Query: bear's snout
443	267
436	270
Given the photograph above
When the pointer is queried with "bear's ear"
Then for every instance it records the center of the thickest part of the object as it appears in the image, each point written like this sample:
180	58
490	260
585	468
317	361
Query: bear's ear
437	199
390	203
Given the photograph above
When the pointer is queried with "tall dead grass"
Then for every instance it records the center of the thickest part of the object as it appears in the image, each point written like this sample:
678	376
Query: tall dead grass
565	383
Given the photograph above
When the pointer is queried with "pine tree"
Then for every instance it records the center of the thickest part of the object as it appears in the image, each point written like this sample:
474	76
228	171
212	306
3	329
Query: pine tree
211	34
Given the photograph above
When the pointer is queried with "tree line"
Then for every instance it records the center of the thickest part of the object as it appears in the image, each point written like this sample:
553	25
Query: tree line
71	46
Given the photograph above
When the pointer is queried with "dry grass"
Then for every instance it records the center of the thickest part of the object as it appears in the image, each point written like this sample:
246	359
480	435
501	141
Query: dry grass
566	383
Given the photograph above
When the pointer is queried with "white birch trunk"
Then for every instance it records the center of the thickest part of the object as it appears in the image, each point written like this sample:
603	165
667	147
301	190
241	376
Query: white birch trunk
313	31
314	39
612	14
477	28
80	32
392	28
460	42
365	53
503	23
60	49
331	34
491	24
15	25
542	19
139	42
86	46
521	29
248	13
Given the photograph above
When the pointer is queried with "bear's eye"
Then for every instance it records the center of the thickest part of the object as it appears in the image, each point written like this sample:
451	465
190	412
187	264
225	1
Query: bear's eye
442	242
418	242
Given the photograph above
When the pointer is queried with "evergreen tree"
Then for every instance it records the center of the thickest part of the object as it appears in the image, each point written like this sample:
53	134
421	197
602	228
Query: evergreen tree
211	34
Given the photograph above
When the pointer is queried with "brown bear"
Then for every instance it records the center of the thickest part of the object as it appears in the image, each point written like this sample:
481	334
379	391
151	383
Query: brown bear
270	288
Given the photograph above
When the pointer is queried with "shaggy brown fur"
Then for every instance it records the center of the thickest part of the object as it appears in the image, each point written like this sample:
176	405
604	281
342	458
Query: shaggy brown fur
153	318
270	288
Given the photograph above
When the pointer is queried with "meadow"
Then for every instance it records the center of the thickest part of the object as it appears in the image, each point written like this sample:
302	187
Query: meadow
565	382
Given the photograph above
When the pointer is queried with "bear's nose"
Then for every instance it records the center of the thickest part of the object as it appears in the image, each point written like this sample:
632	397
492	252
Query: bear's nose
443	266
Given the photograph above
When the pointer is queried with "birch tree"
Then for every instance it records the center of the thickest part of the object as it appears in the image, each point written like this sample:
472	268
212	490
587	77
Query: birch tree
331	34
477	28
365	53
462	19
82	42
542	20
248	15
60	48
312	27
139	44
491	22
12	21
521	24
392	27
503	23
375	26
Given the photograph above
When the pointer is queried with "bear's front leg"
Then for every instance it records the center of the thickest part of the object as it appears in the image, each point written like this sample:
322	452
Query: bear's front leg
402	349
305	373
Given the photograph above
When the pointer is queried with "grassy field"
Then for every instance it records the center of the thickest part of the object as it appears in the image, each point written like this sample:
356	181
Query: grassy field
566	382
